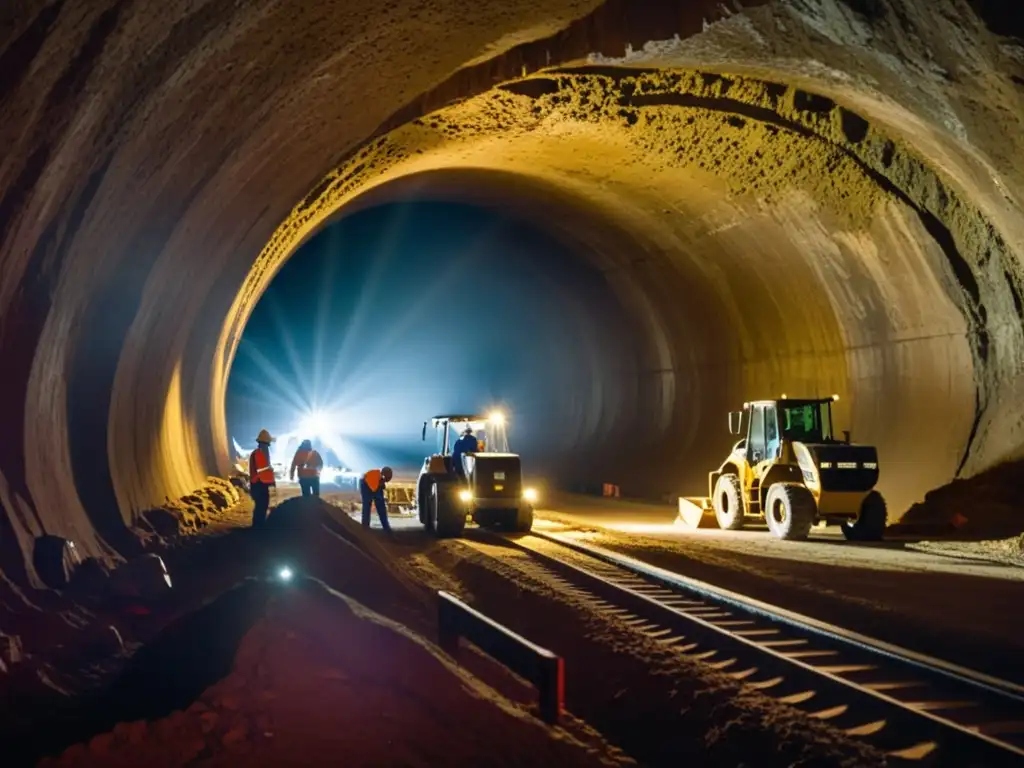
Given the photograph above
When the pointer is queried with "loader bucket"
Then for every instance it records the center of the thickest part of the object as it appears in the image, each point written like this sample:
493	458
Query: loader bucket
696	512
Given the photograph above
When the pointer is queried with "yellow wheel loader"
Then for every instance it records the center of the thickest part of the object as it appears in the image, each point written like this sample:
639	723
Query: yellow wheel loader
793	473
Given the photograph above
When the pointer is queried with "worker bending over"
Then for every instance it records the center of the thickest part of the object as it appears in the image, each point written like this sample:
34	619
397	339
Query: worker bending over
465	444
261	478
309	463
371	487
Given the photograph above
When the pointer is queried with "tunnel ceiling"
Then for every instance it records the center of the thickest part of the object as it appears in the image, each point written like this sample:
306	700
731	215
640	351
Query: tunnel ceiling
807	195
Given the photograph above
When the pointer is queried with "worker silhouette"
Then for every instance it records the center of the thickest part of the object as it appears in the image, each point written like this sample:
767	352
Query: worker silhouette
371	487
261	478
465	444
309	463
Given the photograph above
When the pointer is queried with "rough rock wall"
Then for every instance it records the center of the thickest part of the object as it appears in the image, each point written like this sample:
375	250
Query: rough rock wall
769	247
153	148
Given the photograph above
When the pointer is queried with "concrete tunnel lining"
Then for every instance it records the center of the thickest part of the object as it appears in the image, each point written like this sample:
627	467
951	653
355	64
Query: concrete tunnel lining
161	375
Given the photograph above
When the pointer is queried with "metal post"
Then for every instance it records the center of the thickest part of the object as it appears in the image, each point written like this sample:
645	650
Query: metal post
551	687
540	666
447	626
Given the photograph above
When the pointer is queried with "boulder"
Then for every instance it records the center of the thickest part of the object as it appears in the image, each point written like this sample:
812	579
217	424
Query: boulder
55	560
89	578
144	577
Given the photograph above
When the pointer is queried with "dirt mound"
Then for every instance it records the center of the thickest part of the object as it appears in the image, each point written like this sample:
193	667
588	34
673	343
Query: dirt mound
305	534
987	505
321	680
190	513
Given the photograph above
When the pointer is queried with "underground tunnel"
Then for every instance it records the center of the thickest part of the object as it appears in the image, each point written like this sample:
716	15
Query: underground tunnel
803	197
402	311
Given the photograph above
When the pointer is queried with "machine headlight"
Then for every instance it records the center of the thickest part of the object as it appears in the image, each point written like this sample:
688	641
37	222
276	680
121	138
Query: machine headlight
530	495
465	496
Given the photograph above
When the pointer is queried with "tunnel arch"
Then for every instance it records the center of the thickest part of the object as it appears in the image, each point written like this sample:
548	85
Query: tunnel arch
853	145
93	221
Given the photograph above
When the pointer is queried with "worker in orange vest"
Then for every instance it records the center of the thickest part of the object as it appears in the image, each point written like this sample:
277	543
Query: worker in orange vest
261	478
309	463
371	487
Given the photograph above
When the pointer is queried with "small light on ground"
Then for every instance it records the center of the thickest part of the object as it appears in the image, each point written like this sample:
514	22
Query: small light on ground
285	574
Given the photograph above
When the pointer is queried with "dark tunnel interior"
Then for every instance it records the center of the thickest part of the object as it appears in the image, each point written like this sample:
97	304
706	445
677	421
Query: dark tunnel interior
403	311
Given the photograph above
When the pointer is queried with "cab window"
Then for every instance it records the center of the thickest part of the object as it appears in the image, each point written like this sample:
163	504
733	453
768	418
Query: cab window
806	422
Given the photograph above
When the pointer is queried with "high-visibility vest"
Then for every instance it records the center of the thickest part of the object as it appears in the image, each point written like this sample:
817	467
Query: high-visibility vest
373	479
309	463
260	470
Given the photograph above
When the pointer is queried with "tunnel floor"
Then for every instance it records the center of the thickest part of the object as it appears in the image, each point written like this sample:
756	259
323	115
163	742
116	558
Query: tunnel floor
188	687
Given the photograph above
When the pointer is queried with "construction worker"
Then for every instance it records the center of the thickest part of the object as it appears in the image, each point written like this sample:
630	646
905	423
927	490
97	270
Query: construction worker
261	478
465	444
371	487
309	463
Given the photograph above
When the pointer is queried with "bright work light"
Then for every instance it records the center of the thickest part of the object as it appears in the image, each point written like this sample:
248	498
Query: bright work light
497	418
465	496
285	574
314	424
530	494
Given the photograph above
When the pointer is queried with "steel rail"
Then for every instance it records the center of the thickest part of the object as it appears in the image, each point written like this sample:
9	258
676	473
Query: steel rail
847	679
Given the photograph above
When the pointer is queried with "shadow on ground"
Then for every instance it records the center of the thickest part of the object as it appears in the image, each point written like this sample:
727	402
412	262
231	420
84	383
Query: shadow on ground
166	674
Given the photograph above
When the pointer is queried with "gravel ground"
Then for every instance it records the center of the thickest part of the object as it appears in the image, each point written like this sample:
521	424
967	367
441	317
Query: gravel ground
948	599
645	696
623	685
207	683
1006	551
321	680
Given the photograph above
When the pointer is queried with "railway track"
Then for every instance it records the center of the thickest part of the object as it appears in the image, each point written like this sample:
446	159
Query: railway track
914	708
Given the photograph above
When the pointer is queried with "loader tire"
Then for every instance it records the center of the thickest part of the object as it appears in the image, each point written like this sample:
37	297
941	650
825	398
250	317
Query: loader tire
449	516
728	504
870	525
430	508
524	519
790	511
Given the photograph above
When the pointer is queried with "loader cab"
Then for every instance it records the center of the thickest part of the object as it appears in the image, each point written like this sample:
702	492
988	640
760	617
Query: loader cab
769	422
490	432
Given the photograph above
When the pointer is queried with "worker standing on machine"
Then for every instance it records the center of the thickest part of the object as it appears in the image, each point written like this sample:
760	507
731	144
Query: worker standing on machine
261	478
371	488
309	463
465	444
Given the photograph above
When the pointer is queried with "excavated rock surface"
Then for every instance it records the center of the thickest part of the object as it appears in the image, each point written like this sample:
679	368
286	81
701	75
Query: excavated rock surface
986	505
849	221
193	512
809	196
